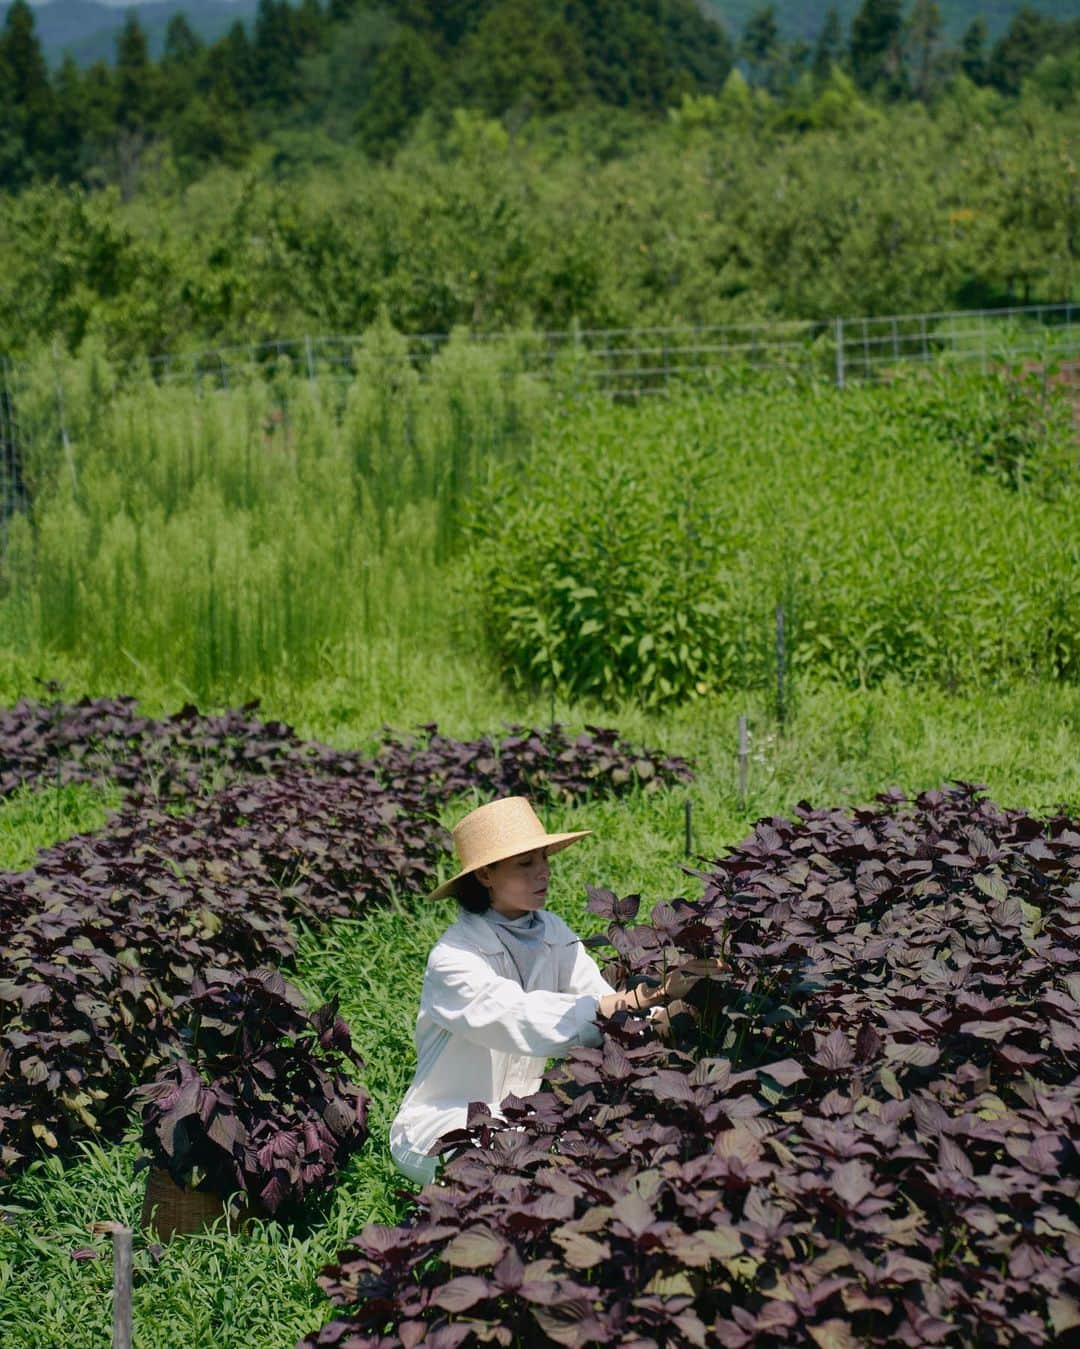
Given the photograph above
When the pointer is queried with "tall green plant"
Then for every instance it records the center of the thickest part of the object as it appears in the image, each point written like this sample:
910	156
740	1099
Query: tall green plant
217	535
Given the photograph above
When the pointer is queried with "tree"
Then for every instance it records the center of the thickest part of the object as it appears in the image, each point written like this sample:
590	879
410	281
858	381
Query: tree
182	67
973	51
1056	79
516	59
760	45
232	62
923	32
405	73
183	46
97	100
275	64
308	27
72	119
210	128
876	47
134	76
1019	50
828	47
30	103
445	22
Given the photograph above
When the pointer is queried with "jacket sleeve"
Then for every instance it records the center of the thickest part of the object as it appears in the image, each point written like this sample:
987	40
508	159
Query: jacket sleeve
465	996
585	976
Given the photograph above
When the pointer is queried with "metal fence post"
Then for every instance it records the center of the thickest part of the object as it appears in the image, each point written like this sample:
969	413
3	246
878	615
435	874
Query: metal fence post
838	338
7	456
65	439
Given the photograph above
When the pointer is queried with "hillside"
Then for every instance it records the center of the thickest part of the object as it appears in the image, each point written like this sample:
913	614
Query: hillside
87	28
804	18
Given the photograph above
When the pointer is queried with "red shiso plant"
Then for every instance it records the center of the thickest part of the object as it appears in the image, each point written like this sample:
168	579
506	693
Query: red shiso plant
232	830
863	1133
258	1100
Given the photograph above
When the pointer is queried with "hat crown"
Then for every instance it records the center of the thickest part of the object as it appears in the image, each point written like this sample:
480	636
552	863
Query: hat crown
500	829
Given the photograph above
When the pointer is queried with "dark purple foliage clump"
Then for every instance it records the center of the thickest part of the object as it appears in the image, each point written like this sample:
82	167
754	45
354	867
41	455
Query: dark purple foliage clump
257	1100
107	930
108	740
862	1132
544	764
232	830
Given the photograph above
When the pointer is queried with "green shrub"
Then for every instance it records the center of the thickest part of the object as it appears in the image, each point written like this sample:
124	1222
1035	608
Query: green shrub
645	554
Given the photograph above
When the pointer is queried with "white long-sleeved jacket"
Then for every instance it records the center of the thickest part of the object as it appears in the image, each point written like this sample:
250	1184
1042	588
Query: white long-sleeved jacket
481	1036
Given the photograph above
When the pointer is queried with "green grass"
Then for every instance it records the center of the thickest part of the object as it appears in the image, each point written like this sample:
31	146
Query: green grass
32	818
224	1291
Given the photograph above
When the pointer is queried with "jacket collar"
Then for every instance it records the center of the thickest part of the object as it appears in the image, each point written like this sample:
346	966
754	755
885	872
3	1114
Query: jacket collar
481	935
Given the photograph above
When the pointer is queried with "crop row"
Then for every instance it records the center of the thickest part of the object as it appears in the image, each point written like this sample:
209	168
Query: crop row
108	739
863	1133
102	936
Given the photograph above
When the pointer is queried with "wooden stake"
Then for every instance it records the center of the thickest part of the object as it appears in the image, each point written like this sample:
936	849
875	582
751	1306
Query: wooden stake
744	755
688	807
122	1288
780	660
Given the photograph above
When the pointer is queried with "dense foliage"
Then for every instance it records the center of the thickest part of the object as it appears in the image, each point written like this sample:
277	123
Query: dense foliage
392	62
257	1101
724	212
367	73
189	753
864	1133
648	555
294	529
101	939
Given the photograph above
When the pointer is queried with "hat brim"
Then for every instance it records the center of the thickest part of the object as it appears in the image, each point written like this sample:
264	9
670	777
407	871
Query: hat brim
552	842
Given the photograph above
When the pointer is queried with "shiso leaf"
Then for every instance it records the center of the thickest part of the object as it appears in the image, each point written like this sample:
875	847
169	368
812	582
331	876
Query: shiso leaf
579	1250
475	1248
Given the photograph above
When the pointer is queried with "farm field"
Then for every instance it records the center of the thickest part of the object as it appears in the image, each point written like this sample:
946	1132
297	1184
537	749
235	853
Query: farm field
972	676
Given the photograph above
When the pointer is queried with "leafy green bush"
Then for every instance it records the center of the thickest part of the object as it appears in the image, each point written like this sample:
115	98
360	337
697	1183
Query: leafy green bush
645	554
1011	426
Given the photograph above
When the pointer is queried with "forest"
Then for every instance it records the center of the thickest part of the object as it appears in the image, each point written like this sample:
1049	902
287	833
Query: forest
691	193
366	75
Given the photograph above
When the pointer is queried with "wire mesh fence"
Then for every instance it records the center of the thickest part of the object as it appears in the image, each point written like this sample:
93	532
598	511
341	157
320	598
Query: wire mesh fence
627	363
867	348
634	361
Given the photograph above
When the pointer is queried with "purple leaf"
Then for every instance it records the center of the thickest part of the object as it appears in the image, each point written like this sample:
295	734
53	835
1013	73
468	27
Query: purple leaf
459	1294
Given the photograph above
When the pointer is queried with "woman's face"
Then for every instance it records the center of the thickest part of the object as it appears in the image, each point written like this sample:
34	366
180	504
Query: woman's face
517	885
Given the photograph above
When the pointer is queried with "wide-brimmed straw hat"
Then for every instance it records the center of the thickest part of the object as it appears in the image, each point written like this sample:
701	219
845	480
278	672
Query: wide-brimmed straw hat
502	828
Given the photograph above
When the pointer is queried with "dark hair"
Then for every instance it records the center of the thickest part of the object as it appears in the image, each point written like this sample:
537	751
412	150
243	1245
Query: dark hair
471	895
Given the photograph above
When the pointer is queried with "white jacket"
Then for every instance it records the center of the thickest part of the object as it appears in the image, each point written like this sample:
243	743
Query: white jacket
481	1036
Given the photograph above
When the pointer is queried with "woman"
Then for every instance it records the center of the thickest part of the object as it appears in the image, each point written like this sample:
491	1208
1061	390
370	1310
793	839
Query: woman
507	986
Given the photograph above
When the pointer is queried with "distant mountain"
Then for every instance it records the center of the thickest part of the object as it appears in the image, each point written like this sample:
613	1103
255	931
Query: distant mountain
803	18
87	29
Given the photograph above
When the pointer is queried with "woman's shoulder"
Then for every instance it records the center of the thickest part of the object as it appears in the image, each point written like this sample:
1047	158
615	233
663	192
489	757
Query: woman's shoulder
467	933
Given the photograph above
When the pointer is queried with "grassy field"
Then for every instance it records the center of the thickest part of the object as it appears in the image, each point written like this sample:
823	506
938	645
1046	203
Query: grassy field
417	659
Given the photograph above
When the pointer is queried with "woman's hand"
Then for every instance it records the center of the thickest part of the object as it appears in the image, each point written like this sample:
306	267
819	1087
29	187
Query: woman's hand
679	982
636	999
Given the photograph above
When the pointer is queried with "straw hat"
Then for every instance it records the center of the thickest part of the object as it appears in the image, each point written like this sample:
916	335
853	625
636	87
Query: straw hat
500	829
